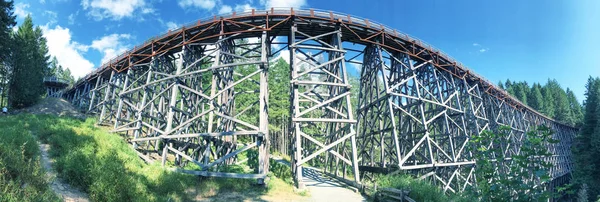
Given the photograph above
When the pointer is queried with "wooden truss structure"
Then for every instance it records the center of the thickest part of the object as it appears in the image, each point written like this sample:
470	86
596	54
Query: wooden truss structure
175	98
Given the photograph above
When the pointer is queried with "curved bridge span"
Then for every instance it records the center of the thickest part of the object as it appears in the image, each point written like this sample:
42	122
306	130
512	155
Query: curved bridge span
192	96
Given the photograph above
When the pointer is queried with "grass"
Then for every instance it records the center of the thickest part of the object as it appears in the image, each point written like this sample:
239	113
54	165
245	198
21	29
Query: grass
419	190
104	166
22	177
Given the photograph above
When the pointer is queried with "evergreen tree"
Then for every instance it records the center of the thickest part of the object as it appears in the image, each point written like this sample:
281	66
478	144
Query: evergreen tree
279	91
508	86
53	68
30	64
521	89
548	109
574	109
7	21
586	147
560	102
534	98
66	75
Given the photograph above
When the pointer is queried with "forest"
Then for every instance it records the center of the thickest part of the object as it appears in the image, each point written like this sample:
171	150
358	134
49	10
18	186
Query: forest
24	61
550	99
560	104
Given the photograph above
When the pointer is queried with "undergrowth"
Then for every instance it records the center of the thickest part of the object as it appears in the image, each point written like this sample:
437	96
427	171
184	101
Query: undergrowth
419	190
104	165
22	177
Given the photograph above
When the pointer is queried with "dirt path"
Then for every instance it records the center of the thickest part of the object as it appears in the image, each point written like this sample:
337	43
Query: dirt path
324	188
64	190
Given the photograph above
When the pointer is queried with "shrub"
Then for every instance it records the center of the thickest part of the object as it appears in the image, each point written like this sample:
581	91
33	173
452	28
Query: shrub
419	190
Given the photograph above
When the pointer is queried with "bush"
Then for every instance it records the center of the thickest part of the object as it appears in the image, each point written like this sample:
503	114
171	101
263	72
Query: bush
102	164
419	190
520	176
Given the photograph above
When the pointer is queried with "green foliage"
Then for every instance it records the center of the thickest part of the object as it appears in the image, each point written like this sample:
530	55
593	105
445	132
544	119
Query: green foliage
500	179
56	70
281	171
7	21
105	166
22	177
576	116
535	98
419	190
586	147
550	99
276	169
29	65
279	93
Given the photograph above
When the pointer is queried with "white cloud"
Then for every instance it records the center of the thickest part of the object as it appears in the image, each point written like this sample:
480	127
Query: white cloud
20	10
114	9
148	10
51	16
285	54
172	25
243	7
203	4
238	8
483	50
67	52
111	45
476	44
42	1
283	3
71	19
225	9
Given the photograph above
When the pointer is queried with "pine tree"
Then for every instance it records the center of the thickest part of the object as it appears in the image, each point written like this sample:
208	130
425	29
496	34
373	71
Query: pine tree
30	64
534	98
586	147
574	108
521	89
279	91
53	68
508	85
548	109
66	75
7	21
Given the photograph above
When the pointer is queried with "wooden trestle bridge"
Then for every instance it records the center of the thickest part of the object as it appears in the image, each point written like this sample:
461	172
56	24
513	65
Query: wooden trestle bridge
177	96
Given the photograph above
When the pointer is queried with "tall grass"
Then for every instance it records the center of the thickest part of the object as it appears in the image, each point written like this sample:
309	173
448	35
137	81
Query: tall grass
104	165
22	177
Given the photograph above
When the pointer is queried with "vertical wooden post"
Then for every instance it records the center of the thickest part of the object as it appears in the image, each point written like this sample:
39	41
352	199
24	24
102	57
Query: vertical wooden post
263	140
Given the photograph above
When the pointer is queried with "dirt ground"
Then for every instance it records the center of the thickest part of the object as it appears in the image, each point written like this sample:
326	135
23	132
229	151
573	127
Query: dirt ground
55	106
62	189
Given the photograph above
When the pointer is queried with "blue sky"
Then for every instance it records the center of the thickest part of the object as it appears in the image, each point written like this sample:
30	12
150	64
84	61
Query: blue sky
517	40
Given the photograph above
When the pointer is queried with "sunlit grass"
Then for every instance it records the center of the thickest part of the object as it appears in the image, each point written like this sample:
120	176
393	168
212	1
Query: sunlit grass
22	177
108	169
419	190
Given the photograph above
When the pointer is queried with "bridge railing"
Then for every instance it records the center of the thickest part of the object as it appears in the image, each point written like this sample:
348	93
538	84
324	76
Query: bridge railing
55	79
299	12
